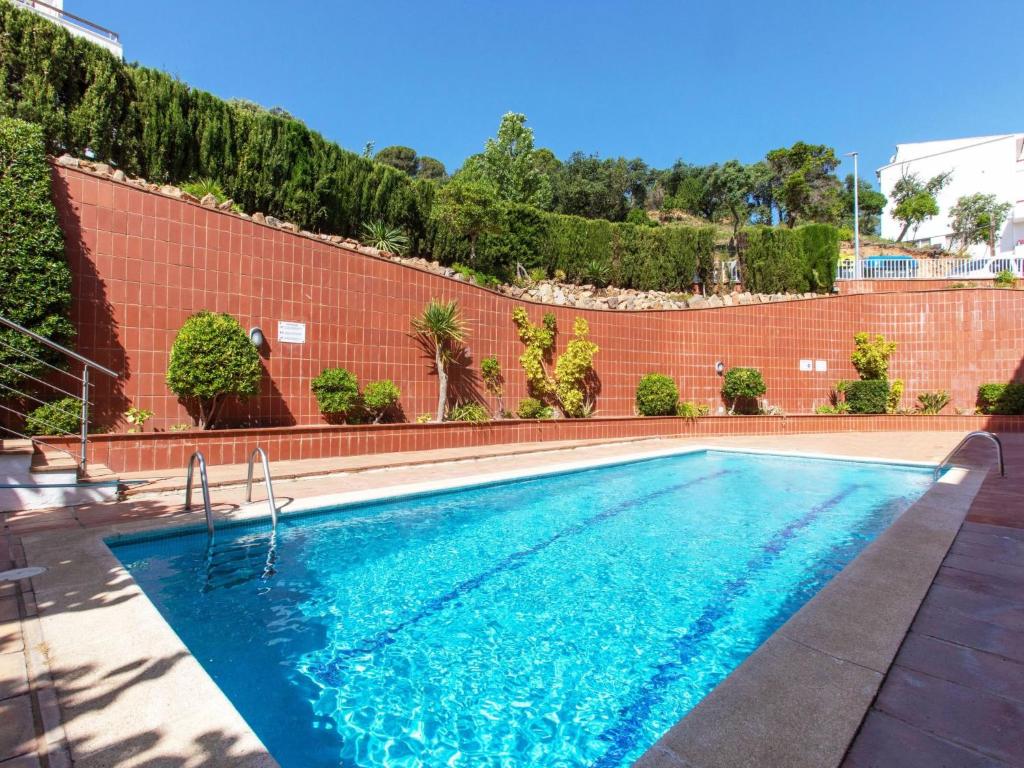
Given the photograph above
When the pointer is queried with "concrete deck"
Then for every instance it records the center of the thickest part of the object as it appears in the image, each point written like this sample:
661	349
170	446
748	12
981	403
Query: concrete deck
130	713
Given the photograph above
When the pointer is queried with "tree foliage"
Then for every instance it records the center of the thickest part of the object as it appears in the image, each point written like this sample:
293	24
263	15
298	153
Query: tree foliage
803	182
34	271
441	330
569	387
741	387
977	218
870	203
586	185
914	200
468	209
212	360
511	165
336	391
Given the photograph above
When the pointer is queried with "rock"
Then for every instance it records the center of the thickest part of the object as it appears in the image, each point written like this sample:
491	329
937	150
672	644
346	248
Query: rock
68	161
226	205
170	191
743	298
119	176
259	217
102	168
612	301
307	233
273	221
727	300
715	301
245	216
208	201
287	225
337	239
697	302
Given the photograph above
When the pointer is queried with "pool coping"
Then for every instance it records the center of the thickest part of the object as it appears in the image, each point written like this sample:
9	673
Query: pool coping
182	709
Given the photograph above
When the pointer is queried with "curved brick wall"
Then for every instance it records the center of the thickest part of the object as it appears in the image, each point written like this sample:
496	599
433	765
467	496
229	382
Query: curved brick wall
143	262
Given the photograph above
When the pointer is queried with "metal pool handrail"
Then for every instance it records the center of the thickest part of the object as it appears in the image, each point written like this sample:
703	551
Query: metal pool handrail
205	485
266	480
980	433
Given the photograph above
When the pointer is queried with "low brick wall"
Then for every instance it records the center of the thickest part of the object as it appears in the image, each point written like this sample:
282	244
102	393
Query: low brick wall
167	450
847	287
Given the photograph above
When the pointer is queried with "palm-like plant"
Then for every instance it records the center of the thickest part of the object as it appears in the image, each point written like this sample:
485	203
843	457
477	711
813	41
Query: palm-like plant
442	330
379	235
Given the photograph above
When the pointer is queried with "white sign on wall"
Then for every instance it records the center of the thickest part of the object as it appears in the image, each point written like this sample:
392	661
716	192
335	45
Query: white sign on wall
806	365
821	365
291	333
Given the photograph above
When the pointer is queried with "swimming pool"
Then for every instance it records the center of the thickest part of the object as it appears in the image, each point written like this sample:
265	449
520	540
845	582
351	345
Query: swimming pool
566	620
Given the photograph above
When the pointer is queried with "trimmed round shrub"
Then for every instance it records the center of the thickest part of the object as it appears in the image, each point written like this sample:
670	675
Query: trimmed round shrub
212	360
380	397
471	412
656	395
336	391
1001	399
867	395
532	408
61	417
741	388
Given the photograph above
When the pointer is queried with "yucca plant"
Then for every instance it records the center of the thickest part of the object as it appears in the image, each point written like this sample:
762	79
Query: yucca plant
932	402
206	186
597	273
379	235
441	330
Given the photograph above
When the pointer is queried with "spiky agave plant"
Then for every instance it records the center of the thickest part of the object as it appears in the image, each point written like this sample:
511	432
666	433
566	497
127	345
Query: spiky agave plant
383	237
442	330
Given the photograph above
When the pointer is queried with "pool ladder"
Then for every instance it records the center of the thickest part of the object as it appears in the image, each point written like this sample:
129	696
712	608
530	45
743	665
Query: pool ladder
204	482
970	436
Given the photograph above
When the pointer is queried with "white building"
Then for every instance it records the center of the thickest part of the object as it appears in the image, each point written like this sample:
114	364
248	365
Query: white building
992	165
76	25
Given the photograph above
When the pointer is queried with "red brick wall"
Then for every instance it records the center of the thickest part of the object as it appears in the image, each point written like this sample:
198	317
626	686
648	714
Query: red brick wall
911	286
143	262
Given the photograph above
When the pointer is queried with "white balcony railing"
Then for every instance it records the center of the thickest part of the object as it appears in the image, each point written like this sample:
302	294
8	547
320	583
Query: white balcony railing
913	268
76	25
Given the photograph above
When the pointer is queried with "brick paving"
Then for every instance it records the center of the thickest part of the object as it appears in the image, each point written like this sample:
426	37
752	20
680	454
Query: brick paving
955	693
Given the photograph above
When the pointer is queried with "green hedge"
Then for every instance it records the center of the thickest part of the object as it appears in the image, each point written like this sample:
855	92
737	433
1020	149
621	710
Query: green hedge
34	271
633	256
148	123
821	255
779	260
867	396
1001	399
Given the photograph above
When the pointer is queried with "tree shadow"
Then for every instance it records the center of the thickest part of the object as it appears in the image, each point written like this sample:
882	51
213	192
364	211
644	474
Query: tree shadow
93	316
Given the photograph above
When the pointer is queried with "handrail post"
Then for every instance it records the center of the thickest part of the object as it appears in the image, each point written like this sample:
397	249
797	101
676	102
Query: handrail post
85	417
266	479
204	485
967	438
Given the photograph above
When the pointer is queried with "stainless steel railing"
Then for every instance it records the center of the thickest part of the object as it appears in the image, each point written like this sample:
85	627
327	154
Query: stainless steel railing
14	395
925	268
970	436
266	480
204	484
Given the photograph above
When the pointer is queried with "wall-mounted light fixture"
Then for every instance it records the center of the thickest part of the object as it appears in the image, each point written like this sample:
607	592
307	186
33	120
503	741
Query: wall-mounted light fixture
720	368
256	337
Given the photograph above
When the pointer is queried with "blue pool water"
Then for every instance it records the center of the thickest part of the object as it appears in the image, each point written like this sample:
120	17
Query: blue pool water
559	621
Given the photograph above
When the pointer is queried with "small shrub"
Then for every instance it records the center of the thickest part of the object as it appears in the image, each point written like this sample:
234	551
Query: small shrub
474	413
476	276
383	237
336	391
424	418
494	381
656	395
532	408
867	395
61	417
212	359
380	398
741	388
597	273
932	402
137	417
537	274
895	395
1005	279
691	410
871	355
179	428
1001	399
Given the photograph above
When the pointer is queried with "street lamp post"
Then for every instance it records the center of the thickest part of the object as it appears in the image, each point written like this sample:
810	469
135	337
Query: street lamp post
856	209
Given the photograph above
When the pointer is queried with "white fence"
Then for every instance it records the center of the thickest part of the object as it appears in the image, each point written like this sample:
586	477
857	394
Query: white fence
914	268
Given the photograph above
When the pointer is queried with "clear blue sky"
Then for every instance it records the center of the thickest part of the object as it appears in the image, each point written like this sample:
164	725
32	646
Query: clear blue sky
660	80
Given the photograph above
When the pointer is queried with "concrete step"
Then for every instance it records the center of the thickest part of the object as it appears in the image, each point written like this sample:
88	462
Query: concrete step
31	478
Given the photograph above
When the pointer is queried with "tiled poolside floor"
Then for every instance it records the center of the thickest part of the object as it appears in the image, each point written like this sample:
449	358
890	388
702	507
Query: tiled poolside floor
955	694
28	704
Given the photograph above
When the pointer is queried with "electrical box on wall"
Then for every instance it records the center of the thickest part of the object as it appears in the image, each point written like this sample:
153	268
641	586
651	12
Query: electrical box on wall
821	365
806	365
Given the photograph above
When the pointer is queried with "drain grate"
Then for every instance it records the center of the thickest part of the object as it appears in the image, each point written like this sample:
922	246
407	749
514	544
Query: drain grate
21	573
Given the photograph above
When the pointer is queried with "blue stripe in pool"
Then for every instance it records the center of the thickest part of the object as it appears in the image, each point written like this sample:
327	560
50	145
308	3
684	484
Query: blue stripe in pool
558	621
